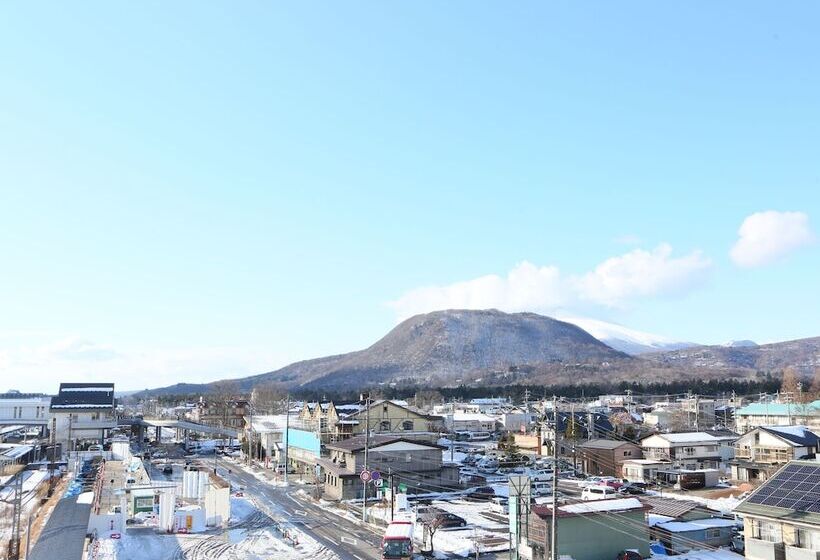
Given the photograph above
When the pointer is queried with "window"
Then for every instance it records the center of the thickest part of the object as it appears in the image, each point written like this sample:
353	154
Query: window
384	410
384	426
712	533
806	538
767	531
407	425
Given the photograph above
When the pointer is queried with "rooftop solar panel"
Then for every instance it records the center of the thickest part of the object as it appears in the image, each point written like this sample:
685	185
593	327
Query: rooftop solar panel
795	487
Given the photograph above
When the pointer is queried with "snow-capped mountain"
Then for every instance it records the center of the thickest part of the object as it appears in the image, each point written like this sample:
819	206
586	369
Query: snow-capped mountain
741	344
625	339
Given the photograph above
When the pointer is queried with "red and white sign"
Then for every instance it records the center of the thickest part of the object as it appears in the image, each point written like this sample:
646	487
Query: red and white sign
365	476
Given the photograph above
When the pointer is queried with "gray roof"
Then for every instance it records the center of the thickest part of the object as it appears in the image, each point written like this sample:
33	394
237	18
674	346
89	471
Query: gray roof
357	443
606	444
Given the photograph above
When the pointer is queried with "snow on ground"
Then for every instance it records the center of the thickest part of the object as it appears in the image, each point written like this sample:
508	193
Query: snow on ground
253	541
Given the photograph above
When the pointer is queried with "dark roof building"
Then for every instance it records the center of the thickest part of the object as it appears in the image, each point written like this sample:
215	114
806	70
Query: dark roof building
84	396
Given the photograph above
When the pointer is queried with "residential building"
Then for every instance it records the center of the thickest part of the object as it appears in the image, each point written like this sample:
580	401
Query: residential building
267	431
781	519
760	452
470	422
591	530
416	464
699	413
691	450
643	470
229	413
82	414
574	429
606	456
682	536
778	414
389	417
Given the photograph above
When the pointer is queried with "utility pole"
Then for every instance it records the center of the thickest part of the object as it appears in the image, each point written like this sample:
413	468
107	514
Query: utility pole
392	493
366	398
287	429
14	542
697	413
554	520
28	536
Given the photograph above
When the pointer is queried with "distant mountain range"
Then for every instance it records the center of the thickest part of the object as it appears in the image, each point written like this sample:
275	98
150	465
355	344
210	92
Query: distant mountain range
489	347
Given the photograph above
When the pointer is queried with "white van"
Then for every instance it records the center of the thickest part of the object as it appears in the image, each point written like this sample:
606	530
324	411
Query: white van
541	488
599	492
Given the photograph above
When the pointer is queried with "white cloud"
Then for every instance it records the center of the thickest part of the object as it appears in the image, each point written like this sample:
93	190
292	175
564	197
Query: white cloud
641	273
544	289
526	287
43	366
765	237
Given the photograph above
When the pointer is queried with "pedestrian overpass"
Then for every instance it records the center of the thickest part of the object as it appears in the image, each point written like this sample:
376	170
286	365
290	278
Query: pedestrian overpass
183	426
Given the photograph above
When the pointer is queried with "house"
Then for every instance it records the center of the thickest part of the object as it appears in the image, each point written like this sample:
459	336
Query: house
591	530
389	417
268	433
682	536
470	422
413	463
606	456
691	450
699	413
82	414
228	413
781	519
643	470
778	414
759	452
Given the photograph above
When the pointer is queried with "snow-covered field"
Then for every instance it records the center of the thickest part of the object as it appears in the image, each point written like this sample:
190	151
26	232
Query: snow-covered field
252	535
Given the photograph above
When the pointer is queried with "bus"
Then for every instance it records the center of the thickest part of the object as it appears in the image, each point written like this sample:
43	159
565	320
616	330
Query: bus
397	542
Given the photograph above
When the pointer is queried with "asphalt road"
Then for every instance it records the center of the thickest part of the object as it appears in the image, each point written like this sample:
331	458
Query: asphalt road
349	540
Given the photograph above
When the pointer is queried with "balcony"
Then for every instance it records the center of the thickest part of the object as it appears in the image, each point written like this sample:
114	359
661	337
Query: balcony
797	553
763	454
757	549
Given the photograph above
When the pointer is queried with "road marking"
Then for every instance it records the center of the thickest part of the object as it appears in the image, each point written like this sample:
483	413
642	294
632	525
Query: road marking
301	512
331	540
357	556
348	540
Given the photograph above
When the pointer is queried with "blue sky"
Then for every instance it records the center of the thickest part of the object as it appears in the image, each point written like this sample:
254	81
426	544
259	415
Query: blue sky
192	191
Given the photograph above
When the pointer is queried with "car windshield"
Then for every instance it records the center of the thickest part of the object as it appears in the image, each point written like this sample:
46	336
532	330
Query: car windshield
396	548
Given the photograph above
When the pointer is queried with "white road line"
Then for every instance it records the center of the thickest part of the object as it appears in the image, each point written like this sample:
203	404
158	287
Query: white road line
331	540
360	558
348	540
301	512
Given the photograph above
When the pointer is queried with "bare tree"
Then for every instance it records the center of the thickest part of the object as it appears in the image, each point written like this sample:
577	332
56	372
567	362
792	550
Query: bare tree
814	390
268	397
432	521
791	383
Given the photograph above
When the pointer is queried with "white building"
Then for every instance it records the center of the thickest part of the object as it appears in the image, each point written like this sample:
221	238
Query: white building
82	414
691	450
470	422
25	409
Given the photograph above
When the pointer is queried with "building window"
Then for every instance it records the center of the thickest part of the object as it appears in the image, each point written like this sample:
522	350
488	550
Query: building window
806	538
712	533
767	531
407	425
384	426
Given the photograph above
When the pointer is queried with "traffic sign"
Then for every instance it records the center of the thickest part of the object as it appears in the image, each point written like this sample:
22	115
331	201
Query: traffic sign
375	475
378	482
365	476
402	487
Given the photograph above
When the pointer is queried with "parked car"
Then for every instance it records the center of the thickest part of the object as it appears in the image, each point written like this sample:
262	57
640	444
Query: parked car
596	481
488	465
448	520
634	488
539	475
599	492
500	505
480	493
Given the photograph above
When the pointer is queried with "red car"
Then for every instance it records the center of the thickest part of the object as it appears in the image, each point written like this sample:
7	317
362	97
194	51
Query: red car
616	484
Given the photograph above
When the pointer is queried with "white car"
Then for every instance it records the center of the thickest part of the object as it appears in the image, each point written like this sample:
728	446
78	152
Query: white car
596	481
539	475
500	505
600	492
